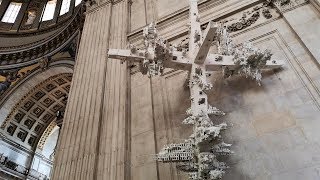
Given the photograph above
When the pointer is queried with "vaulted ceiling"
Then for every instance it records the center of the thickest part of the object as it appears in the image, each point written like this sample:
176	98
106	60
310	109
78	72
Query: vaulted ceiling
31	116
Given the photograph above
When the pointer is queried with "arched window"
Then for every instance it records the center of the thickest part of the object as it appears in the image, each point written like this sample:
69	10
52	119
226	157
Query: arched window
64	7
12	12
49	10
78	2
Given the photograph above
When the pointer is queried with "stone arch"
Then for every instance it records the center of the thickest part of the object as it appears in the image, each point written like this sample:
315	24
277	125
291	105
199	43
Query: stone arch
30	117
26	126
8	103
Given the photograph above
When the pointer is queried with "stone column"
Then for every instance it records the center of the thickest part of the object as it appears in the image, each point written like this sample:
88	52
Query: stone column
94	134
304	20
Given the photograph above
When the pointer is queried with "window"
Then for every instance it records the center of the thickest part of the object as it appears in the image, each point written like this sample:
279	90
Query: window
78	2
65	7
12	12
0	2
49	10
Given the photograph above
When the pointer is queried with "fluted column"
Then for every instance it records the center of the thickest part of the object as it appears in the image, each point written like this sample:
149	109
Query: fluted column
93	139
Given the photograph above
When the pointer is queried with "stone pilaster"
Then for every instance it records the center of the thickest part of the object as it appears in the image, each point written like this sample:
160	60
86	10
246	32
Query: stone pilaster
19	18
57	11
36	21
304	20
93	139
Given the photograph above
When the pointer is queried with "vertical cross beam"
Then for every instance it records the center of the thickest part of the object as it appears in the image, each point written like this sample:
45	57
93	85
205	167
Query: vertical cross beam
195	26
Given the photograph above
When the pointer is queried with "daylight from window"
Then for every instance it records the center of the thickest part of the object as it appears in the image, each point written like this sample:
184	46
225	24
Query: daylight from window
49	10
12	12
65	7
78	2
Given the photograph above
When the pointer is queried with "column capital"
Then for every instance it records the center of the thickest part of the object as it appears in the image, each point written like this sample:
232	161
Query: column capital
93	5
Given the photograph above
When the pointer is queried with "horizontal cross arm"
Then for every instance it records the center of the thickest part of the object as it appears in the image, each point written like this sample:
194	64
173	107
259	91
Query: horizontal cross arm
215	62
123	54
178	61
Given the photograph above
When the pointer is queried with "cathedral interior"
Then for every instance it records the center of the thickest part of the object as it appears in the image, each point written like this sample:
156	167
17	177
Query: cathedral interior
119	89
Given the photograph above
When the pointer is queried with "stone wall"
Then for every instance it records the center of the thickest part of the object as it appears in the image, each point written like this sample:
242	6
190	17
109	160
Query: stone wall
273	127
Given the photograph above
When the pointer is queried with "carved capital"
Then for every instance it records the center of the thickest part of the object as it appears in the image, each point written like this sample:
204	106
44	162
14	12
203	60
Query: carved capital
90	3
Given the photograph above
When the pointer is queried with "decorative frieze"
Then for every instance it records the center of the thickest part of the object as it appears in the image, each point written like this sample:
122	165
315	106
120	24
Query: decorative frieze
287	5
249	17
46	134
38	51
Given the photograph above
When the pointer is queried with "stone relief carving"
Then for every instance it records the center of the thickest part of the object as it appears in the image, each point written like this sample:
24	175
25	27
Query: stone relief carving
249	17
44	63
198	155
31	17
286	5
33	10
46	134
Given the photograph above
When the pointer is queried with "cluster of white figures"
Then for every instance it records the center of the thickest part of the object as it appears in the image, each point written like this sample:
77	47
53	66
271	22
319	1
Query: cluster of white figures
198	155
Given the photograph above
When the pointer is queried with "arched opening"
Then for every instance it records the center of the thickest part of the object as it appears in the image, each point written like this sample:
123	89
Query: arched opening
30	132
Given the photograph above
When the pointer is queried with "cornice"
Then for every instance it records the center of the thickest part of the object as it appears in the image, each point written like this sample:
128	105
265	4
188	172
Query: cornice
287	5
17	58
207	10
43	28
93	5
257	14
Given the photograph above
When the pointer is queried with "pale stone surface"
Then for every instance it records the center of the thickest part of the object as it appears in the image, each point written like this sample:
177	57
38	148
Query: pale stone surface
274	128
306	25
93	140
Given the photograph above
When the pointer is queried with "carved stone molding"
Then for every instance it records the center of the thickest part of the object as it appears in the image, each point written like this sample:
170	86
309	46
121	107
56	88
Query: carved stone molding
46	134
287	5
250	17
94	5
15	57
40	28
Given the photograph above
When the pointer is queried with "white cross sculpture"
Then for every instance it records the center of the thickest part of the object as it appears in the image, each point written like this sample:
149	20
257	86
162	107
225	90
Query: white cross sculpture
198	155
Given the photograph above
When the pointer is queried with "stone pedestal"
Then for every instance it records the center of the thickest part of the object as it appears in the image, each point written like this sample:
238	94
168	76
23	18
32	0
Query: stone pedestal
94	140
